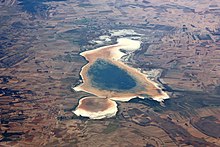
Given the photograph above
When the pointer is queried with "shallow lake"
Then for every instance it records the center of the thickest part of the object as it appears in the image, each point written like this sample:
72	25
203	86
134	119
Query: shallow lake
107	76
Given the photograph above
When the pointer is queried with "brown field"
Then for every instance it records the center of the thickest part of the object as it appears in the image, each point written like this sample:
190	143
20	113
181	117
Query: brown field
40	63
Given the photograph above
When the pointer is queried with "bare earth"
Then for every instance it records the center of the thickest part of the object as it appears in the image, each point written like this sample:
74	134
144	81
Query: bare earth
40	63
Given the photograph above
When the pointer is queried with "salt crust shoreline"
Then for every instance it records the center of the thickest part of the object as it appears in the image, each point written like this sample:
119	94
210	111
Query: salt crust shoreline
115	54
129	45
107	113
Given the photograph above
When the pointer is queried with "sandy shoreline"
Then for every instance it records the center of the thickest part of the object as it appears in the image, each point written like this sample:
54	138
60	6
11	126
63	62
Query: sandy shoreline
113	54
106	109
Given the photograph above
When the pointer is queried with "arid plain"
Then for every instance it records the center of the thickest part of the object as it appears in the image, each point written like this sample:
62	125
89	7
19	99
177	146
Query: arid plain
40	63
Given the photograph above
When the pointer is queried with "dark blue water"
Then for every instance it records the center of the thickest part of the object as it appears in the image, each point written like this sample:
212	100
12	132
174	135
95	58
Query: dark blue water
107	76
